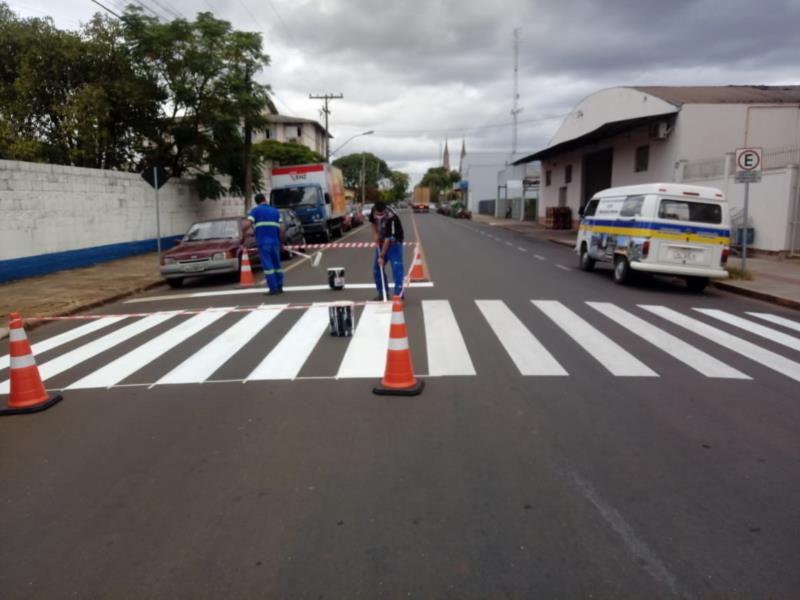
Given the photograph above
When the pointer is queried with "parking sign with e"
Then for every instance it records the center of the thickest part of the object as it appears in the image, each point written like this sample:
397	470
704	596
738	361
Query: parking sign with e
748	160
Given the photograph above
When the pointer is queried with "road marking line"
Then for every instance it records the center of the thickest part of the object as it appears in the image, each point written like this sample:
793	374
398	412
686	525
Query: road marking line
603	349
766	332
128	364
689	355
63	338
291	288
292	352
539	257
78	355
206	361
366	352
769	359
563	268
521	249
447	352
788	323
508	243
527	352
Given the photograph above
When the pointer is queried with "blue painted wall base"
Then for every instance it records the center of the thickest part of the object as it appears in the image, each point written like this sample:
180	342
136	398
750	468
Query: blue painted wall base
20	268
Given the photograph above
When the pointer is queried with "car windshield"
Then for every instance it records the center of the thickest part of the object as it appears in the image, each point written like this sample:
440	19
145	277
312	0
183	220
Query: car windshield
289	197
684	210
212	230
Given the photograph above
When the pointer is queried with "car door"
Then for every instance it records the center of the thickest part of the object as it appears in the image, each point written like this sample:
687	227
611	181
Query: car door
249	242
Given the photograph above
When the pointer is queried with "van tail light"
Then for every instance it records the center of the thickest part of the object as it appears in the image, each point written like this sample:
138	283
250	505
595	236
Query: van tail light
645	248
725	252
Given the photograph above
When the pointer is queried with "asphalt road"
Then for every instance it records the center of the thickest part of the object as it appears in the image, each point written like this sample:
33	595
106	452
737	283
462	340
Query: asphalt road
611	469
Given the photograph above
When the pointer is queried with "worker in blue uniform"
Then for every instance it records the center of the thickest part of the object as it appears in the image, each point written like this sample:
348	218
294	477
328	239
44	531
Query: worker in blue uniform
270	234
387	231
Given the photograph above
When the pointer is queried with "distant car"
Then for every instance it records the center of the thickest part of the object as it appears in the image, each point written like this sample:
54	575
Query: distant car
209	247
358	218
347	222
295	234
366	210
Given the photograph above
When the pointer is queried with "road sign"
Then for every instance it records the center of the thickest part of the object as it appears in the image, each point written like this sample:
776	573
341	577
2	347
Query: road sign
155	175
748	165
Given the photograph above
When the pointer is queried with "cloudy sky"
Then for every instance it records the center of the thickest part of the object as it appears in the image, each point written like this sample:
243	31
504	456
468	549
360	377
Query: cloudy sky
422	71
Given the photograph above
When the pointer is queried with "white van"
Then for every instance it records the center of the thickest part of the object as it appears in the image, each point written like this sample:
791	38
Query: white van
664	228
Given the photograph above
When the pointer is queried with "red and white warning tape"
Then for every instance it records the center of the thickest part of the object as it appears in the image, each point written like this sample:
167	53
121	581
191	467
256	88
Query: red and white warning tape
336	245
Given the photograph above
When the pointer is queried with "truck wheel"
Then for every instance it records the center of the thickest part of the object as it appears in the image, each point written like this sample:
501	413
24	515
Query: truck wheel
326	235
586	262
622	270
696	284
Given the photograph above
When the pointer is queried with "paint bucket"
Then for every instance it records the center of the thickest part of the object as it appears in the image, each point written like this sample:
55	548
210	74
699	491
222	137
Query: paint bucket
343	322
336	278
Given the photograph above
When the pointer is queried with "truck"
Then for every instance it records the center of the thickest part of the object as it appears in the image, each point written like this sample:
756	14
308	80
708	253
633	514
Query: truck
422	199
315	192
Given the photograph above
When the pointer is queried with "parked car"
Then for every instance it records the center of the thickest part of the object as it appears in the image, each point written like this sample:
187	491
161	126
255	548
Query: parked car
365	210
295	234
358	218
347	222
209	247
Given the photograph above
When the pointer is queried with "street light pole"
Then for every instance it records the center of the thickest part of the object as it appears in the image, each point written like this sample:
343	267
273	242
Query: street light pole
363	175
370	132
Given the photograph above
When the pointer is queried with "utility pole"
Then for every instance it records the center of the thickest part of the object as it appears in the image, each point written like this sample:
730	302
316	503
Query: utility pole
326	98
515	110
248	147
363	175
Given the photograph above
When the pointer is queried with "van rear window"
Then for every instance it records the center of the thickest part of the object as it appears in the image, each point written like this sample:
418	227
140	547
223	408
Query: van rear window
684	210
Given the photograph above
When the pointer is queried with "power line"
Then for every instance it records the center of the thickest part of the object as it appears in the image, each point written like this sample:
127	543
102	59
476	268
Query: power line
105	8
455	129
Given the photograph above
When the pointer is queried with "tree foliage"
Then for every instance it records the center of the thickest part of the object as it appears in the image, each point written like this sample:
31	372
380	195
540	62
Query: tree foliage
400	183
284	153
439	180
351	166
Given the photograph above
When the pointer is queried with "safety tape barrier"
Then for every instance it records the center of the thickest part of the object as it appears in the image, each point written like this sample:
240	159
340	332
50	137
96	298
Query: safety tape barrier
336	245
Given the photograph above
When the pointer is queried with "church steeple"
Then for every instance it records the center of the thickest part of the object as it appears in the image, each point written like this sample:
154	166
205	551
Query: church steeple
446	156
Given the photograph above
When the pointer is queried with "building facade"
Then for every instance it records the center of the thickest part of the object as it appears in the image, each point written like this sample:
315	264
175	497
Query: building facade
294	130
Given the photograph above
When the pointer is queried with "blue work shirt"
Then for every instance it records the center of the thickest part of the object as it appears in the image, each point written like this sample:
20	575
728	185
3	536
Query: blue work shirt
267	223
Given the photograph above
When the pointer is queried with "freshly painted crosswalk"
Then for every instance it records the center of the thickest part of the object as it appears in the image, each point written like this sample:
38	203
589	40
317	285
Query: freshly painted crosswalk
543	338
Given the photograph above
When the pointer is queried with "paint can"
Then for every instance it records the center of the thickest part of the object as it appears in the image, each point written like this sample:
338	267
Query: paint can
336	278
343	322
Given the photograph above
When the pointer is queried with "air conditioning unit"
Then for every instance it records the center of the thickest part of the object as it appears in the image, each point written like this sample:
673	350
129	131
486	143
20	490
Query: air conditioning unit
659	130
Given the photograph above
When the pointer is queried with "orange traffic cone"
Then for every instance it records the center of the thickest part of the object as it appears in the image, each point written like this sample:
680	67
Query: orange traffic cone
417	270
398	378
246	272
27	390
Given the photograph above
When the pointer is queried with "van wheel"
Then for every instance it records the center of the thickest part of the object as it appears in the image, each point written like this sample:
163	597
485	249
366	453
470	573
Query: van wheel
175	283
622	270
697	284
586	262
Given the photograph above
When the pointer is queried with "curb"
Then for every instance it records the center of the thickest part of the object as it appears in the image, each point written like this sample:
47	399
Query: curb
562	242
91	304
779	300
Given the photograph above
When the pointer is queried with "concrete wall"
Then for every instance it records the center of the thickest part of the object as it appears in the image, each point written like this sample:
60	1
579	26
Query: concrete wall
54	217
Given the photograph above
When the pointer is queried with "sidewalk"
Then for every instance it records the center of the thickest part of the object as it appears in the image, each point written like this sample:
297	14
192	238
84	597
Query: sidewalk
775	280
67	292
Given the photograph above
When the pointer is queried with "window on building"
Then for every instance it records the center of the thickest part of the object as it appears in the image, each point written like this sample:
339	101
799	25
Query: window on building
299	131
568	174
562	196
547	177
642	158
268	133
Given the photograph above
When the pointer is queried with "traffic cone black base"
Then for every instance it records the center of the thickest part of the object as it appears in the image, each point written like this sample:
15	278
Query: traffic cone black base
52	400
414	390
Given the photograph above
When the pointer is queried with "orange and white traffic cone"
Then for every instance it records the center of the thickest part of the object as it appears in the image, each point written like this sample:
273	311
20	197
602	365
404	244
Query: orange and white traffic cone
417	270
398	378
246	271
27	390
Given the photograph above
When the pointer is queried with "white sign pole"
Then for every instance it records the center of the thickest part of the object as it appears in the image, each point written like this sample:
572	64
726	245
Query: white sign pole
744	229
158	215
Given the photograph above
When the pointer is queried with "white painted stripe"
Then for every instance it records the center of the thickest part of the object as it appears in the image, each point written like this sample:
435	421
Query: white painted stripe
127	365
528	354
262	290
539	257
697	359
521	249
21	362
78	355
203	363
508	244
292	352
67	336
769	359
447	352
366	352
788	323
16	335
766	332
608	353
398	344
563	268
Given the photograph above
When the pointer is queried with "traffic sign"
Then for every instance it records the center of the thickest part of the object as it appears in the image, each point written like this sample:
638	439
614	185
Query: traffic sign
155	174
748	165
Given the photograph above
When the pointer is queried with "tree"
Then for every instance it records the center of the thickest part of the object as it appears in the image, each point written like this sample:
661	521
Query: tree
204	72
439	179
400	183
351	164
283	153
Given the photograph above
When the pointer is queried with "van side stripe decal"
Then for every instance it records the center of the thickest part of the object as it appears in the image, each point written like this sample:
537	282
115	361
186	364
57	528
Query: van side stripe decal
674	228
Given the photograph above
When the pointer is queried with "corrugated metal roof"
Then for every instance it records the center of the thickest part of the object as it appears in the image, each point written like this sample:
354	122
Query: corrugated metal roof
724	94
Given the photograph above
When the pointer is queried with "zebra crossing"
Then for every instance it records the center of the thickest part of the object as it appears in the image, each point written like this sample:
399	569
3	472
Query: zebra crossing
448	351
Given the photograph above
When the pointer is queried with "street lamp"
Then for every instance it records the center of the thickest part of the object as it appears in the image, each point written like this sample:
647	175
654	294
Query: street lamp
370	132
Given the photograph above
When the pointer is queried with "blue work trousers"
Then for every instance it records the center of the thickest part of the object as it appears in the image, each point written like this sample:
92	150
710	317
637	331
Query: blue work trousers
271	263
394	256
